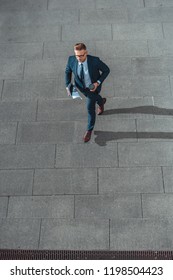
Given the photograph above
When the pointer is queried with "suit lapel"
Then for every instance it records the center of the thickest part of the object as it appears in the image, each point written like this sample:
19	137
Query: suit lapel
89	66
75	67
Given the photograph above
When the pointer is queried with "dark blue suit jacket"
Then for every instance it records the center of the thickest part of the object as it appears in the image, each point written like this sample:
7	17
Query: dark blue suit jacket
98	70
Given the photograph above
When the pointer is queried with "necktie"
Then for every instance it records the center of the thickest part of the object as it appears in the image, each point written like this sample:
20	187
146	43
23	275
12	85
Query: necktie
82	75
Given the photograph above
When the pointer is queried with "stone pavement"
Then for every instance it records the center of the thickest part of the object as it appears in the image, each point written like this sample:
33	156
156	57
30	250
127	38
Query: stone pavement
116	192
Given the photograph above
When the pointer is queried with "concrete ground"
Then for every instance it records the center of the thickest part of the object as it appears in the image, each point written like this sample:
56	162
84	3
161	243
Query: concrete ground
115	192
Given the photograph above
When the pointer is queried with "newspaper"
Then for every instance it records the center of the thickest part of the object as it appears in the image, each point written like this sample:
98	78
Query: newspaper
72	90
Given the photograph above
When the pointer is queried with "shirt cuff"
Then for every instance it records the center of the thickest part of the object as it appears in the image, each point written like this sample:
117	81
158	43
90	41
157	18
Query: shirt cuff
98	82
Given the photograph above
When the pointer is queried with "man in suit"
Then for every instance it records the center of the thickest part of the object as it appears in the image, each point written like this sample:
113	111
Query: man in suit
89	74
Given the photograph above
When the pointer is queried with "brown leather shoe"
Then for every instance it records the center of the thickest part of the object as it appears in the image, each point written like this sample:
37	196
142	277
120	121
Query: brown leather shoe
100	109
87	136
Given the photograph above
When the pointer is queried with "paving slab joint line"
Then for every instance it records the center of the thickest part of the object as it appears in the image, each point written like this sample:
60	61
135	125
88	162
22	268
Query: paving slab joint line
169	77
109	234
74	216
148	49
152	97
55	156
43	50
7	206
136	126
2	89
47	5
142	214
39	234
17	129
61	33
118	165
97	180
163	179
163	31
23	70
36	113
33	182
144	3
112	35
79	16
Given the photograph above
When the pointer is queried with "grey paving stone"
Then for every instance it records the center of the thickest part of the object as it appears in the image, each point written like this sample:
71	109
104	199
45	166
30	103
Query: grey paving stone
21	50
32	89
163	107
151	15
41	207
119	66
8	133
167	30
108	207
68	4
153	66
40	132
146	154
81	155
130	180
16	182
157	205
86	32
3	206
19	233
83	234
142	86
103	16
119	48
38	18
61	110
108	87
168	179
141	107
137	31
141	234
160	47
44	68
11	69
20	5
118	3
30	34
27	156
65	181
158	3
65	49
17	111
155	130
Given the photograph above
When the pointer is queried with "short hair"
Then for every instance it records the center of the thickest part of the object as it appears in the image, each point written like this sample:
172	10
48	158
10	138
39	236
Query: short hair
79	47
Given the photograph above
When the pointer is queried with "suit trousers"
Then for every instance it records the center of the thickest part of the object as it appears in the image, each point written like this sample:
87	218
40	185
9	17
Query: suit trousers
92	99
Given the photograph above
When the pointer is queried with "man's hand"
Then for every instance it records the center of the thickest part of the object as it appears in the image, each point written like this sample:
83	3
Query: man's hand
68	91
95	87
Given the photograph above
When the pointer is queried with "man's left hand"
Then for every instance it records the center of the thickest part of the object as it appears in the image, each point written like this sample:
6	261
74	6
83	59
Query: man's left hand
95	87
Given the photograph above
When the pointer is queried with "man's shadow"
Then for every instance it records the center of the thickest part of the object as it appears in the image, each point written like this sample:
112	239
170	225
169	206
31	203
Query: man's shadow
152	110
102	137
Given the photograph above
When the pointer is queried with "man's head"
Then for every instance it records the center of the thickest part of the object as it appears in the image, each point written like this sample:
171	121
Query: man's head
80	52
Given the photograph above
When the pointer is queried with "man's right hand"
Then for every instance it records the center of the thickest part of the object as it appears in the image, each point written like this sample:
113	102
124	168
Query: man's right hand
68	91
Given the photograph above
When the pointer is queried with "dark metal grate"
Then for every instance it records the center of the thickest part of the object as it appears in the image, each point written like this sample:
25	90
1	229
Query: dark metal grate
84	255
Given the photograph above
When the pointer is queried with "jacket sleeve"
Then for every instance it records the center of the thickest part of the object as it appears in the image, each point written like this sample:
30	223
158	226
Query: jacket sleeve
68	73
104	70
